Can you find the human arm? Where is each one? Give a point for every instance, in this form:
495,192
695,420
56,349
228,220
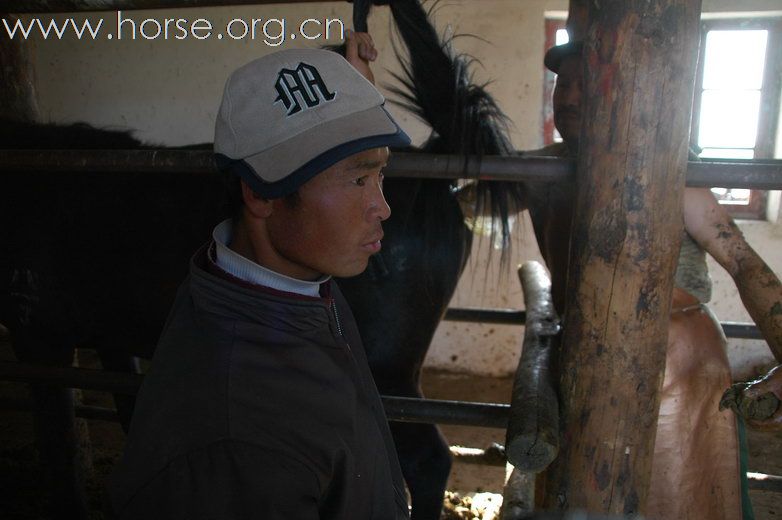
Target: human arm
709,224
359,51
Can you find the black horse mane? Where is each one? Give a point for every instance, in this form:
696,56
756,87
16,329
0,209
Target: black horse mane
438,86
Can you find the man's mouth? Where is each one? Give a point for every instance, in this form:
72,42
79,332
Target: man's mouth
570,114
374,245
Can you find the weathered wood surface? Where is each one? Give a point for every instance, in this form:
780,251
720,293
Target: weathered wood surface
518,496
577,19
16,79
639,62
532,438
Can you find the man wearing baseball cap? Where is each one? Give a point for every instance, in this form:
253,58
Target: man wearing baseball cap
259,402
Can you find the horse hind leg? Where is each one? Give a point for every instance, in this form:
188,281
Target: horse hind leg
426,463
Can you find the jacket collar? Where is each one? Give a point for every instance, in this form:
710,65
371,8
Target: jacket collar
219,292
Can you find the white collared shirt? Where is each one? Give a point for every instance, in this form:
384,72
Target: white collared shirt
245,269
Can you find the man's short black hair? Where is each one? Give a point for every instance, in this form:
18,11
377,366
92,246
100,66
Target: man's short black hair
234,202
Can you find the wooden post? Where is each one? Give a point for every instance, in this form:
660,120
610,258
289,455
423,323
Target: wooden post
577,19
16,78
639,62
532,438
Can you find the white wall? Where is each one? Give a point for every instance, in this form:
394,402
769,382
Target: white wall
169,91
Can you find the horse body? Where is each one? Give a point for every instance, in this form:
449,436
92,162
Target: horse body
85,251
398,303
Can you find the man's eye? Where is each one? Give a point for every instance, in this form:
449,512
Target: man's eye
361,181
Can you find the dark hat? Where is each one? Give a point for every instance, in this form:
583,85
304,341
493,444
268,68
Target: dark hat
555,55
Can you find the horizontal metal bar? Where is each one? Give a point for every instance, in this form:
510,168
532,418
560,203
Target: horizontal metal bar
498,316
515,317
489,167
97,413
402,409
760,174
193,162
493,456
735,329
70,377
756,175
68,6
464,413
763,482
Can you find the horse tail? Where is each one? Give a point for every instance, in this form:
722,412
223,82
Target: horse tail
360,14
438,86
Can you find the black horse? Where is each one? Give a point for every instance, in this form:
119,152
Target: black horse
94,260
401,298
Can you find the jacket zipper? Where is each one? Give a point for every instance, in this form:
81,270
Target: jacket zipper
339,325
398,495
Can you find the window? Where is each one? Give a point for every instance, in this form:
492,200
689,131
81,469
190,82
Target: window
737,97
736,104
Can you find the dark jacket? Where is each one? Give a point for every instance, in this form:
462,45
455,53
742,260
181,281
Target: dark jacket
259,404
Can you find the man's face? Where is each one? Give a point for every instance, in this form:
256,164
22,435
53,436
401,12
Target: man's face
334,225
567,99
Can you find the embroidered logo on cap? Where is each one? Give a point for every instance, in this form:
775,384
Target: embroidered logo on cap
304,81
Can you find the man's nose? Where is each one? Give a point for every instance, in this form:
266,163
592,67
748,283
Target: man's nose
573,97
378,207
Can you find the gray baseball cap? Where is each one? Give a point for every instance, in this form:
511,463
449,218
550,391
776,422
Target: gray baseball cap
290,115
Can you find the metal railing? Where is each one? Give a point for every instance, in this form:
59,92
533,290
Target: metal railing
755,174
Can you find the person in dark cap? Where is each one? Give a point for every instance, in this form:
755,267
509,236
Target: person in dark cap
565,61
259,402
696,471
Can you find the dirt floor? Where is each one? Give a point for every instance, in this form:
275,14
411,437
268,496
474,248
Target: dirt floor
21,485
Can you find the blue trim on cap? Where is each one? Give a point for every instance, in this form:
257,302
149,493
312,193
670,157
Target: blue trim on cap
290,183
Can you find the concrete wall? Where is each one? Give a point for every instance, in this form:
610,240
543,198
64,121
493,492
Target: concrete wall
169,91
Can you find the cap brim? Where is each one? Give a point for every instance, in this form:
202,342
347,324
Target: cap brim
280,171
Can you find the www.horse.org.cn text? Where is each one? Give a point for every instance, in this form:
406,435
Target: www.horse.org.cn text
269,31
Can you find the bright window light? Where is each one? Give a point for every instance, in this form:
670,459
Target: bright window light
734,196
732,83
729,118
562,36
730,104
734,60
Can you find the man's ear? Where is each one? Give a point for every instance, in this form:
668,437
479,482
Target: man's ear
256,205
